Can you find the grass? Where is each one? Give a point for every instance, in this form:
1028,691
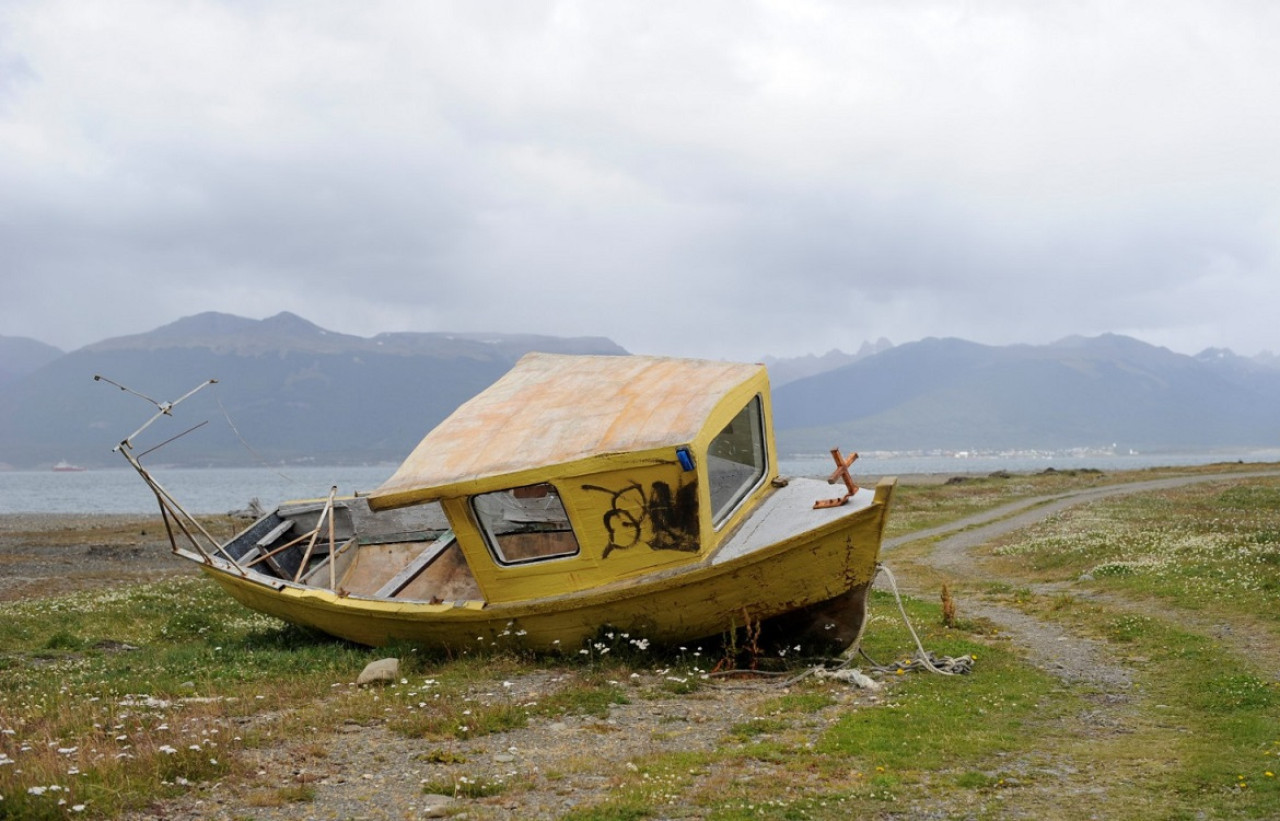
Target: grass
464,787
190,681
1218,543
1206,720
110,701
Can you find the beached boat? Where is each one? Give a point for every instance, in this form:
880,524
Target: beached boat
575,494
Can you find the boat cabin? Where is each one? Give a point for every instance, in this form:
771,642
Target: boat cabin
576,472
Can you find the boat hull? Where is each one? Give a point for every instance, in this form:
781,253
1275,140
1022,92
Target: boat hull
817,579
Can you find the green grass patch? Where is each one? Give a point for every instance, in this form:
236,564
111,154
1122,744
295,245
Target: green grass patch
1209,542
756,727
1226,717
804,702
959,720
464,787
591,696
457,721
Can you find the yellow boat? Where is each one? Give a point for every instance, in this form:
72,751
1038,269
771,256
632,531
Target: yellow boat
574,495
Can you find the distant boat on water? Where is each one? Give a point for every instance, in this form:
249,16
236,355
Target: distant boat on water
66,467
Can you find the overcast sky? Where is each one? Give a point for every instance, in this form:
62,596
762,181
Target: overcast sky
721,179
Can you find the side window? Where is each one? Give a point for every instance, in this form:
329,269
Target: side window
736,460
525,524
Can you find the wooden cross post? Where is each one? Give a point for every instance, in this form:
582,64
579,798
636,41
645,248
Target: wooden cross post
842,473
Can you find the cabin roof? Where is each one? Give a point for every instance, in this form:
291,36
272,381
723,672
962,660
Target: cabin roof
553,409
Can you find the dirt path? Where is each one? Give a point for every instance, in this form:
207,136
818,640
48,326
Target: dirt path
1114,714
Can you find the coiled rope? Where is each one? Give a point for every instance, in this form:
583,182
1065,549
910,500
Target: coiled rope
924,660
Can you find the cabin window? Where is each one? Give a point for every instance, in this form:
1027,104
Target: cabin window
525,524
736,460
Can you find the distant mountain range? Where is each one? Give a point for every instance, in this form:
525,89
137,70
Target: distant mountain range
20,356
291,391
1098,392
782,371
288,391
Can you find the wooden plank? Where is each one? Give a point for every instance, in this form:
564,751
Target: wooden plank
245,540
275,533
311,575
429,554
274,563
276,567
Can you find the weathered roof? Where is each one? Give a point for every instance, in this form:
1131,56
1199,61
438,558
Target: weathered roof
552,409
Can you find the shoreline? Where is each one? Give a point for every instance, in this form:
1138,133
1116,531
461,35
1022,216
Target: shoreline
54,554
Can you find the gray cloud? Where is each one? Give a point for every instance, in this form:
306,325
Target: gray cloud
714,179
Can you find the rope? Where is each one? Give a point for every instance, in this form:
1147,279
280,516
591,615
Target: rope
942,665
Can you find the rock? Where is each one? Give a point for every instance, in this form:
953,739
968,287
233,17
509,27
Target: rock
437,806
382,671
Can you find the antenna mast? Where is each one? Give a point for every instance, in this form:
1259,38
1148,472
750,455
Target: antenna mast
164,408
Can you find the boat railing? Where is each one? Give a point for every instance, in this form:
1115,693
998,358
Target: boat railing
174,515
176,518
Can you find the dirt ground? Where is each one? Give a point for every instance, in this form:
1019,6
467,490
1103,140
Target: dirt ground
50,554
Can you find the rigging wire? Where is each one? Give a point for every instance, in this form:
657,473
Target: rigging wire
262,459
172,438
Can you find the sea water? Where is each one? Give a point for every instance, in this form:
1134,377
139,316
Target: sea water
220,490
199,490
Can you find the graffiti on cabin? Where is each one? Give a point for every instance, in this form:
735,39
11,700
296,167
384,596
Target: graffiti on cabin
657,518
